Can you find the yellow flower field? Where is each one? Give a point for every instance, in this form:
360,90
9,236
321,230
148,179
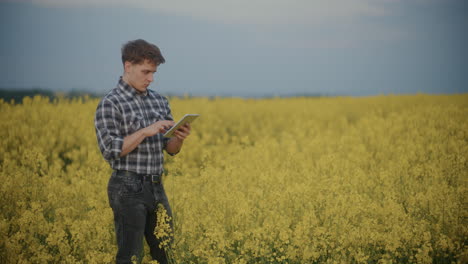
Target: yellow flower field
378,179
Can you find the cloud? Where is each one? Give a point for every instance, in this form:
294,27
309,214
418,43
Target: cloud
283,23
263,12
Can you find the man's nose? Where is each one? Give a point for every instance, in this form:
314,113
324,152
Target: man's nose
150,77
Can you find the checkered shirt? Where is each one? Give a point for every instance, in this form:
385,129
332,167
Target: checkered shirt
122,112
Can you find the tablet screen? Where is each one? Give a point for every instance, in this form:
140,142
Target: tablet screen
188,118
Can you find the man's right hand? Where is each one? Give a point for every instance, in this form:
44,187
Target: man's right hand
158,127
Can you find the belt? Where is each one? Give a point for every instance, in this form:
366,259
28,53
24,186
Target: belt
155,178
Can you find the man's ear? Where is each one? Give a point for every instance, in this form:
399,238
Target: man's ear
127,66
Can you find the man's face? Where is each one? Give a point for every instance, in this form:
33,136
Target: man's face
140,76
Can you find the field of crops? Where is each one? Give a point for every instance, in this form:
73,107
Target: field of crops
301,180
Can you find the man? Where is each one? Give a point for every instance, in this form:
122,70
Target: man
130,122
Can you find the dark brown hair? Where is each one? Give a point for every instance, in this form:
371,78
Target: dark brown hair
137,51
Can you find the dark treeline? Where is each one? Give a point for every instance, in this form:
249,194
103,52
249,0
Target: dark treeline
17,96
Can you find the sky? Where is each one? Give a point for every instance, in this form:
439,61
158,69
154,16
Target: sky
247,48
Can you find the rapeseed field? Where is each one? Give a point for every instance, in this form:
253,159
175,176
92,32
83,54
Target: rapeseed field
379,179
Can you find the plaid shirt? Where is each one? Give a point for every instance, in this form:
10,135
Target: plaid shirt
122,112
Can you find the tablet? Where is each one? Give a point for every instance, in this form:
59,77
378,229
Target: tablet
188,118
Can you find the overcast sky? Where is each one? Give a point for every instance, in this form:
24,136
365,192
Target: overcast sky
241,47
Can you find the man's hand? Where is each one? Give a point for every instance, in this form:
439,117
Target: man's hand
133,140
183,132
158,127
175,144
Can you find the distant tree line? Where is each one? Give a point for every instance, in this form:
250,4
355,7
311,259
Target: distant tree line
17,95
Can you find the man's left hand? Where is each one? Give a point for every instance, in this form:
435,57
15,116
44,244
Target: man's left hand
183,132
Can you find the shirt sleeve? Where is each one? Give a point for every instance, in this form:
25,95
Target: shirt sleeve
107,123
168,117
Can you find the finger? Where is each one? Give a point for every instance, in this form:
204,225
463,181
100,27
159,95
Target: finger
169,122
184,130
180,135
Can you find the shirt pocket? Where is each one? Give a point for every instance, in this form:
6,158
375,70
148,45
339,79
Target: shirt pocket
156,116
131,123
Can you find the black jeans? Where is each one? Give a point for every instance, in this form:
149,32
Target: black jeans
134,200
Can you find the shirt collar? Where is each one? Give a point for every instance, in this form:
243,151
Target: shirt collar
129,89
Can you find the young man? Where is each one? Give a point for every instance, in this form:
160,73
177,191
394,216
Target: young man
130,122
